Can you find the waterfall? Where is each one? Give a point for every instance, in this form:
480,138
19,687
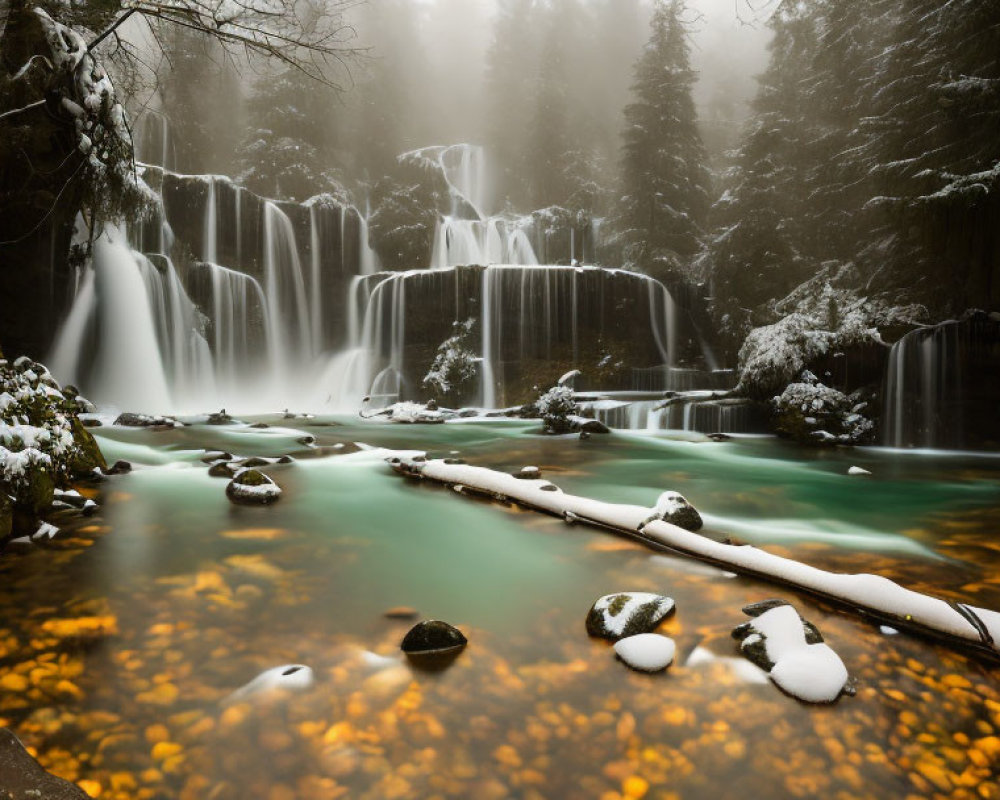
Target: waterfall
530,317
210,249
287,309
126,367
695,411
924,388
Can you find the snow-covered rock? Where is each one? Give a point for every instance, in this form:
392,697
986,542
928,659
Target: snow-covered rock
412,413
793,652
289,677
253,487
858,471
672,507
812,413
647,652
617,616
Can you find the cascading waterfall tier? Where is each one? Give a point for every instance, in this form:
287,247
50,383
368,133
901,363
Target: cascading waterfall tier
473,232
703,411
941,388
243,297
532,321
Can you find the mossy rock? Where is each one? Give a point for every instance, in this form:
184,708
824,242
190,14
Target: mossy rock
616,616
6,513
253,487
89,456
37,496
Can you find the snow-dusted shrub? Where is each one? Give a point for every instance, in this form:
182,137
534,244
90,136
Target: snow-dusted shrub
819,317
555,407
812,413
454,365
42,443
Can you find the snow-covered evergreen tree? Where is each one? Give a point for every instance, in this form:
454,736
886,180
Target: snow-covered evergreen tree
754,253
665,180
287,152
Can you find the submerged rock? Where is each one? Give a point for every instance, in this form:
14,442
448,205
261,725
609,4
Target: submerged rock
646,652
616,616
21,777
253,487
792,651
401,612
289,677
672,507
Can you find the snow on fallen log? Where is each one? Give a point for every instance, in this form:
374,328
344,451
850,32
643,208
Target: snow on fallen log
876,596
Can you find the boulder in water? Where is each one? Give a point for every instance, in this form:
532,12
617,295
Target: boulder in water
219,418
673,508
433,645
433,636
132,420
119,468
646,652
253,487
223,469
21,776
617,616
792,651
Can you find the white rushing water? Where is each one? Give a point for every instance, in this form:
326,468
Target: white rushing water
277,312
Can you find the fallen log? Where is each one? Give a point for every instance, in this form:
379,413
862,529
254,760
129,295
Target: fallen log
968,627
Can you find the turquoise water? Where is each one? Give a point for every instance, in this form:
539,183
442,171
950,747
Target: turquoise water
204,595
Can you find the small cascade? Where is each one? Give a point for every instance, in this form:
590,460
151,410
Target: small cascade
694,411
110,340
496,240
210,247
288,319
470,233
940,387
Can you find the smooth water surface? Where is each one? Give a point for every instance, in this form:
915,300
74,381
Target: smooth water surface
120,645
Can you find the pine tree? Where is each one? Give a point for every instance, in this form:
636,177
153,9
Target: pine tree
511,64
665,180
933,148
286,152
754,254
547,158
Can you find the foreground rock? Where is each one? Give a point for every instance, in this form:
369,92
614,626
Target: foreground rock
433,636
646,652
433,645
22,778
43,445
792,652
617,616
252,487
